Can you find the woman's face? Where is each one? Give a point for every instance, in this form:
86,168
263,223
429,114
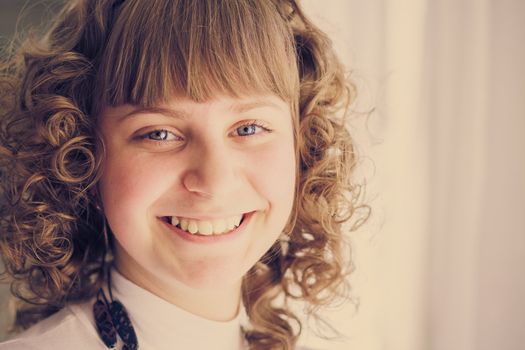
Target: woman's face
206,163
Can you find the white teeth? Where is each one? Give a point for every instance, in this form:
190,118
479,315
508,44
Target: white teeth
193,227
219,226
230,223
184,224
205,227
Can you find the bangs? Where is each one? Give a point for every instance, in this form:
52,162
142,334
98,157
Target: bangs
197,49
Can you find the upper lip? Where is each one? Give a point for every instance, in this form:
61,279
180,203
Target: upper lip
208,217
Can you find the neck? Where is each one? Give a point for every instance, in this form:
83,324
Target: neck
220,304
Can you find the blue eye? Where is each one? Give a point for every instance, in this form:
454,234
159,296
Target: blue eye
246,130
250,129
159,135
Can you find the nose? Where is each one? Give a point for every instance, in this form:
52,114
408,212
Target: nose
212,171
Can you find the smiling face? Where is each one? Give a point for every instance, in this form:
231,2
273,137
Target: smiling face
203,161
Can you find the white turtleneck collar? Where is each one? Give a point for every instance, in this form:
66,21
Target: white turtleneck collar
162,325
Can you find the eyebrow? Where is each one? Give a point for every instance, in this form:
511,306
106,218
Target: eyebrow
247,106
239,107
168,112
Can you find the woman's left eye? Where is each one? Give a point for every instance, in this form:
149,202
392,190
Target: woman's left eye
250,129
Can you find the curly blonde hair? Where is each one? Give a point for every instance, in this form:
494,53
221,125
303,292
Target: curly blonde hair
110,52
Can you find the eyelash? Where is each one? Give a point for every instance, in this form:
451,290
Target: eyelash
256,123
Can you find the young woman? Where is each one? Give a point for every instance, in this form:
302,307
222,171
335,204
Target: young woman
173,174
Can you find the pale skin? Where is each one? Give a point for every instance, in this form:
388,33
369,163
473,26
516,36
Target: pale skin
197,160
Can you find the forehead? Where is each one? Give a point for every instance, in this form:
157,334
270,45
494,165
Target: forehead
234,104
185,108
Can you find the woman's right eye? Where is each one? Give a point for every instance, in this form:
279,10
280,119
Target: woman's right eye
160,135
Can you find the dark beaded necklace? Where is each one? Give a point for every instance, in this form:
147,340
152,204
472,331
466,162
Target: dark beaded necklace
111,319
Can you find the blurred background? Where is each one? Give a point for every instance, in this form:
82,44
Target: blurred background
440,264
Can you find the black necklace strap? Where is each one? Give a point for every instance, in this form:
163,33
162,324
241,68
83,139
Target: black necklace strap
111,318
108,278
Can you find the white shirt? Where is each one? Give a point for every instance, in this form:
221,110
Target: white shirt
158,324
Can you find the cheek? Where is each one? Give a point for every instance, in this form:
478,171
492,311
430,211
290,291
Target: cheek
273,174
128,188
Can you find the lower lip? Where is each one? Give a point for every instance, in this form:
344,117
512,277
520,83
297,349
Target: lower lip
225,237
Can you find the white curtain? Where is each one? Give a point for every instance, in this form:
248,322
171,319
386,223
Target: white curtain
441,264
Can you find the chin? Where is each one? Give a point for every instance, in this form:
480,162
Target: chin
211,276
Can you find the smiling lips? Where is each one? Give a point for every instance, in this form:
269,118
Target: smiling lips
207,227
